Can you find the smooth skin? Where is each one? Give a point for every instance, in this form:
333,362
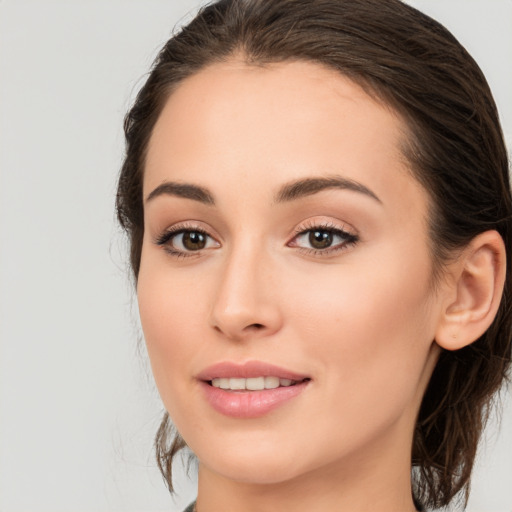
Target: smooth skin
359,315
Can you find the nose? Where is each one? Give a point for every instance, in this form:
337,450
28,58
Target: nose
245,304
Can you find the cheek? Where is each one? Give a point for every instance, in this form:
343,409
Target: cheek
369,328
170,310
388,296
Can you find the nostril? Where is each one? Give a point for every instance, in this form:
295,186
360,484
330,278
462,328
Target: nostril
255,326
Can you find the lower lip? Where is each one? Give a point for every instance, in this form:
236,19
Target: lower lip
250,404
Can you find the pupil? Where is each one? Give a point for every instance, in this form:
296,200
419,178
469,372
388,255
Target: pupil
320,239
193,240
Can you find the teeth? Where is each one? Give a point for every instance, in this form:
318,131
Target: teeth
271,382
255,384
237,384
223,383
251,384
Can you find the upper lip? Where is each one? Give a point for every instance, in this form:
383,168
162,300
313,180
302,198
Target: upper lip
227,369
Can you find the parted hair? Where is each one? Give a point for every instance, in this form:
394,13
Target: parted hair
454,148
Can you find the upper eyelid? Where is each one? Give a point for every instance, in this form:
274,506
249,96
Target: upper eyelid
336,230
181,227
328,225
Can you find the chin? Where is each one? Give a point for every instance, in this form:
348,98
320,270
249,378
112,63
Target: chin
259,472
250,457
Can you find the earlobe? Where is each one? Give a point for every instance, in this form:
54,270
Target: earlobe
475,294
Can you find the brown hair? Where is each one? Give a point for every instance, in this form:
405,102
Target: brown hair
455,149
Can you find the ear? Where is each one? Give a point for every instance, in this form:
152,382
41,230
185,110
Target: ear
474,293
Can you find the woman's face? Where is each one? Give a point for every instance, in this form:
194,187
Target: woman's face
285,238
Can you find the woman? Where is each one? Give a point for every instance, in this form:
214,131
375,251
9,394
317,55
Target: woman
318,204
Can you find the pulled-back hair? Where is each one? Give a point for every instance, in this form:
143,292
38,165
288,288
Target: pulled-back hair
455,149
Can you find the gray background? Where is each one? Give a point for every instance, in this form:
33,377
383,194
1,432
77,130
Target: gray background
78,408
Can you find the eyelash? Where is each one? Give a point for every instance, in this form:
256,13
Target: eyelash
165,238
350,239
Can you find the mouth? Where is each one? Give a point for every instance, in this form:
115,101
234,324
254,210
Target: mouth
250,390
253,383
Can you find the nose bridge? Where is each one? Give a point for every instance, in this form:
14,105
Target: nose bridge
244,302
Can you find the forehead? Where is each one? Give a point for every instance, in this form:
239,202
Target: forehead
250,126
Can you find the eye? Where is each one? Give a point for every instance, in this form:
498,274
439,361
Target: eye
181,241
323,239
320,239
190,241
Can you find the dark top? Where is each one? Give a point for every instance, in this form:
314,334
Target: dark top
190,508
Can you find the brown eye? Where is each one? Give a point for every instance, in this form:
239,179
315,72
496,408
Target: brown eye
184,241
193,240
320,239
323,240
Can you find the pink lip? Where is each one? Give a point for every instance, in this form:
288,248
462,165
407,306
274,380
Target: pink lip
247,370
249,404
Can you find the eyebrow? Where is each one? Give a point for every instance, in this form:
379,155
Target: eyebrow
288,192
185,190
310,186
